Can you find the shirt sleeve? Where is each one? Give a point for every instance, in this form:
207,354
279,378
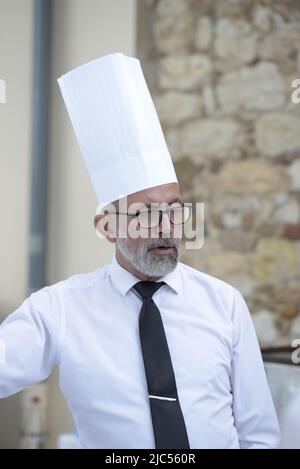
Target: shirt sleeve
30,339
254,412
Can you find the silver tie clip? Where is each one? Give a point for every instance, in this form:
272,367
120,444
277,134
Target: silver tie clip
163,398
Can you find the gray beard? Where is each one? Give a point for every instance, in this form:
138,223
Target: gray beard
147,263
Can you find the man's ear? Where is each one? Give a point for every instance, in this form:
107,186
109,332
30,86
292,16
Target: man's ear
103,227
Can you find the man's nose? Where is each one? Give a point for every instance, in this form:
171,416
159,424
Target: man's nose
165,225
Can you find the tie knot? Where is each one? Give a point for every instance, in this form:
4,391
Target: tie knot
147,288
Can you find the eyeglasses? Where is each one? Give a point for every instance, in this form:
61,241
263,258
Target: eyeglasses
151,218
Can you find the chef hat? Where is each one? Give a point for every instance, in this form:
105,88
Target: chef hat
117,127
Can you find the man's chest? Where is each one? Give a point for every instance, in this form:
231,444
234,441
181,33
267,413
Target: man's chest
101,360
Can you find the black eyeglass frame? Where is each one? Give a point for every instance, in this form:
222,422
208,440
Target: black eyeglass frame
138,212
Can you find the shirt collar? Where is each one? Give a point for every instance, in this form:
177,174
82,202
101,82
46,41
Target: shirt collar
124,280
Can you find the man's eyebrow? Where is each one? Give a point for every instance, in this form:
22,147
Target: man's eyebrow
170,202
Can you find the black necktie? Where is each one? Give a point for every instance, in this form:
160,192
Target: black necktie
167,419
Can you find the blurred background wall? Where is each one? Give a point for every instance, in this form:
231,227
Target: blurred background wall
220,73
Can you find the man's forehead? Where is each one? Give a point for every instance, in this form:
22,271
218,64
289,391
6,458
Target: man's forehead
169,201
153,201
166,193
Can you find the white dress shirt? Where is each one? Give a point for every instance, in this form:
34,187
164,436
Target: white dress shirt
88,326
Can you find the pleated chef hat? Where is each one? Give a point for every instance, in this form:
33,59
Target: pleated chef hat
117,127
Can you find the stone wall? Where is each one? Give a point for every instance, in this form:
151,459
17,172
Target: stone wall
220,73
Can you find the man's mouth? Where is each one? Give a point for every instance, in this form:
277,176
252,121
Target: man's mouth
163,249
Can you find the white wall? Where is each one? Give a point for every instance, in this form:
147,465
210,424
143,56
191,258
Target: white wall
15,139
82,30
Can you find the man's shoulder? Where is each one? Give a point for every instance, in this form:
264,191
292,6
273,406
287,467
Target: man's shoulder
217,289
204,278
73,282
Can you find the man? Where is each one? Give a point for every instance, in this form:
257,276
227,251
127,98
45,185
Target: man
152,353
